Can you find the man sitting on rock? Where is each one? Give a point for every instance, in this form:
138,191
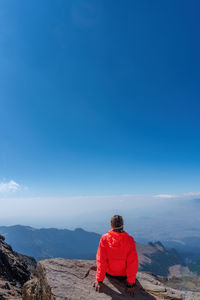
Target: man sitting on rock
117,256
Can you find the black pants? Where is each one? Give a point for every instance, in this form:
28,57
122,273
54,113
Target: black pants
120,278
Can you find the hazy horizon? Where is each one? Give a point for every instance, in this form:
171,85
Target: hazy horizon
147,217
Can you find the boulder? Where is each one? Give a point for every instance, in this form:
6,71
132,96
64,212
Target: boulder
14,271
59,279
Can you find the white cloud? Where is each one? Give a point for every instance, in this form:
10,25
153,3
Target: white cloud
185,196
10,186
166,196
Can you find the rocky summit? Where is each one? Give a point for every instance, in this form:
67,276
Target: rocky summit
59,279
15,270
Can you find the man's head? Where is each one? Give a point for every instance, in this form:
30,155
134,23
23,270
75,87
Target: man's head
117,222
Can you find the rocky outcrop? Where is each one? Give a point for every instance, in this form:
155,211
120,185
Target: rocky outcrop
29,261
14,272
154,258
59,279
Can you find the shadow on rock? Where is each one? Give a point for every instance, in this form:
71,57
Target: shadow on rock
120,291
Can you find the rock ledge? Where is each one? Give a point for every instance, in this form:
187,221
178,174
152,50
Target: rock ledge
59,279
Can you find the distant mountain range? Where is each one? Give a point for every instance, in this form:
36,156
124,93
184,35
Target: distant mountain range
80,244
186,244
48,243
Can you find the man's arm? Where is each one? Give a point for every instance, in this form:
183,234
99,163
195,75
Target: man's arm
101,259
132,263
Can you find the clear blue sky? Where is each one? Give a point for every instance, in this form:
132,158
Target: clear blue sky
100,97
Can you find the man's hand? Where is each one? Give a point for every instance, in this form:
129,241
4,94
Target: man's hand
130,291
130,288
97,285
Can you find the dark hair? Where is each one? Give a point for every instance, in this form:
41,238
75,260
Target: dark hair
117,221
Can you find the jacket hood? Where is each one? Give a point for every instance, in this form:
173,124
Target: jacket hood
116,239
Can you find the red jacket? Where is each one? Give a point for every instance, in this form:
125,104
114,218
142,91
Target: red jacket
117,255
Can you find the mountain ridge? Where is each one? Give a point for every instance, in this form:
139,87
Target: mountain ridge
48,243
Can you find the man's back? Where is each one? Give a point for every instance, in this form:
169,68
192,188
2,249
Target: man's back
117,256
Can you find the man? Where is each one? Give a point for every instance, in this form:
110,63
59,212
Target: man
117,256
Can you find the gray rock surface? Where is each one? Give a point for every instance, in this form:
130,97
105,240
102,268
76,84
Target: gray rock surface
14,271
59,279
